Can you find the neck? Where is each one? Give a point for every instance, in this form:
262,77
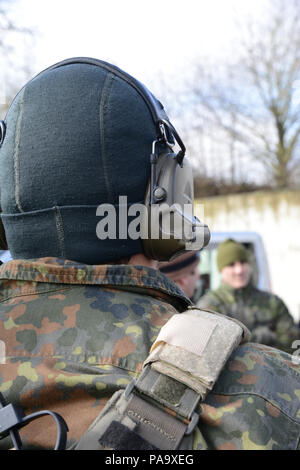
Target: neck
141,260
228,286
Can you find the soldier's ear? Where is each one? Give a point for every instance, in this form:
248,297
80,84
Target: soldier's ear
182,282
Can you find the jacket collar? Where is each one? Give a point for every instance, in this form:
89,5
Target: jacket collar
125,277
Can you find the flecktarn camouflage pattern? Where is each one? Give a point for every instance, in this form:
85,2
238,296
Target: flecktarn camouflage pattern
264,314
75,334
255,404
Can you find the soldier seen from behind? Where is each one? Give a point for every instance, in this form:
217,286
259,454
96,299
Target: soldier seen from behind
83,314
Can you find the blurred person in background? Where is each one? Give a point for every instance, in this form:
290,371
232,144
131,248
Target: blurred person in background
184,272
265,314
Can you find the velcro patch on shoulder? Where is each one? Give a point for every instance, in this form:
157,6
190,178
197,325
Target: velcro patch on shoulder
192,347
119,437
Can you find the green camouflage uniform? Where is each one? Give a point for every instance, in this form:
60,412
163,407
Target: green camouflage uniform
75,334
265,314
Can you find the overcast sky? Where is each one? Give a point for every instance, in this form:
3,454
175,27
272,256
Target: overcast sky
143,37
149,39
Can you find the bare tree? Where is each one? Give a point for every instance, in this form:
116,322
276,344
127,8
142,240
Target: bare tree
256,99
15,68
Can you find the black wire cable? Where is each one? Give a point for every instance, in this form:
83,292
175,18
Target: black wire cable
12,418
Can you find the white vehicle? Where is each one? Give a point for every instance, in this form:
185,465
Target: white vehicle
210,276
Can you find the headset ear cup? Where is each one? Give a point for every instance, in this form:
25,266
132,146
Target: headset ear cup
2,131
163,250
3,242
175,183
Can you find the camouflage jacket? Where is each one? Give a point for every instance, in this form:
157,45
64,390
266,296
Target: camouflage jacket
75,334
265,314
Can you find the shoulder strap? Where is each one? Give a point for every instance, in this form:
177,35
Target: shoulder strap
159,409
